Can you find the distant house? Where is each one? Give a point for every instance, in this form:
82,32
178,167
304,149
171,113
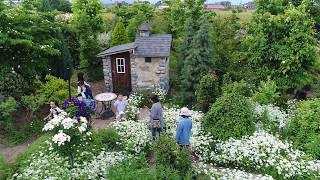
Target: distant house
161,5
140,65
212,7
249,5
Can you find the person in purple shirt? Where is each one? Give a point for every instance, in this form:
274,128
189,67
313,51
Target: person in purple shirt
184,127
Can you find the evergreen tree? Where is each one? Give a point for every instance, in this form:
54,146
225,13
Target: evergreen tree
88,22
199,61
119,34
59,64
186,45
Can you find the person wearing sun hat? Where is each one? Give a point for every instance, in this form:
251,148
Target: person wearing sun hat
184,127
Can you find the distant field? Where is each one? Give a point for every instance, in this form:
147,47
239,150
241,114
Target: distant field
244,16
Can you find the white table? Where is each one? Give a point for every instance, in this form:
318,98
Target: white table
105,99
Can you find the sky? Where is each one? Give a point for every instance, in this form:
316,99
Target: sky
235,2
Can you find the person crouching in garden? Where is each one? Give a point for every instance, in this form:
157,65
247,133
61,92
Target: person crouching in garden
184,127
156,117
54,109
120,106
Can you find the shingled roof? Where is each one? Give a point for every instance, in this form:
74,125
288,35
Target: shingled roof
156,45
117,49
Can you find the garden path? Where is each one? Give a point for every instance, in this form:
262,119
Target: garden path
10,153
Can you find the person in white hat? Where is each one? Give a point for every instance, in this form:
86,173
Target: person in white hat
184,127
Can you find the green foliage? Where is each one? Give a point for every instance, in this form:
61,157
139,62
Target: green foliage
266,93
11,83
129,12
54,89
60,5
132,28
159,23
14,135
303,129
119,34
200,59
280,43
169,154
59,64
241,88
226,42
207,91
186,45
23,50
5,169
131,169
230,116
108,137
8,107
88,22
32,103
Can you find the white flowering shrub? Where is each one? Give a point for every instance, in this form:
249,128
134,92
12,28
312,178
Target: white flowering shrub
226,173
133,109
274,114
263,151
67,133
135,135
161,93
53,166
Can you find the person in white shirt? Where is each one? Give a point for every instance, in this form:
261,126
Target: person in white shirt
120,106
80,80
54,109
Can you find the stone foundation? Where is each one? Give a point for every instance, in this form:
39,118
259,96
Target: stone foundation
107,73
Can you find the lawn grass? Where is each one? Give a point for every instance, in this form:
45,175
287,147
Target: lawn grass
244,16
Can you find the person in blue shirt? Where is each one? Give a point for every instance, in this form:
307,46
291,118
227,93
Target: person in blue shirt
184,127
120,106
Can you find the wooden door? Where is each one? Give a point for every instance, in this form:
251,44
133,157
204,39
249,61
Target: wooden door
121,73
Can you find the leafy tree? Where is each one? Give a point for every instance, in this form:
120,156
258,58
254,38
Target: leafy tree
138,8
207,91
119,34
159,23
88,23
134,23
59,64
199,61
226,42
280,43
26,40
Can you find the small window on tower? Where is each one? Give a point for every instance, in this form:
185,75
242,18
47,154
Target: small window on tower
147,59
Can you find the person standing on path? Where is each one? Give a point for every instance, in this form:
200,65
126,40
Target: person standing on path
156,117
184,127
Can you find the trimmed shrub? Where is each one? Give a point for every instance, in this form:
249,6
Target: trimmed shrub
241,88
230,116
207,91
8,107
305,127
169,154
266,93
108,137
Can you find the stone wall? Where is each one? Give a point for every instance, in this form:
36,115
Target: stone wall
107,73
149,75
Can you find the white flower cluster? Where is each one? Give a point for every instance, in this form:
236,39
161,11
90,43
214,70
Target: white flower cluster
161,93
61,138
263,150
226,173
199,140
98,166
133,107
63,124
134,134
274,113
52,166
